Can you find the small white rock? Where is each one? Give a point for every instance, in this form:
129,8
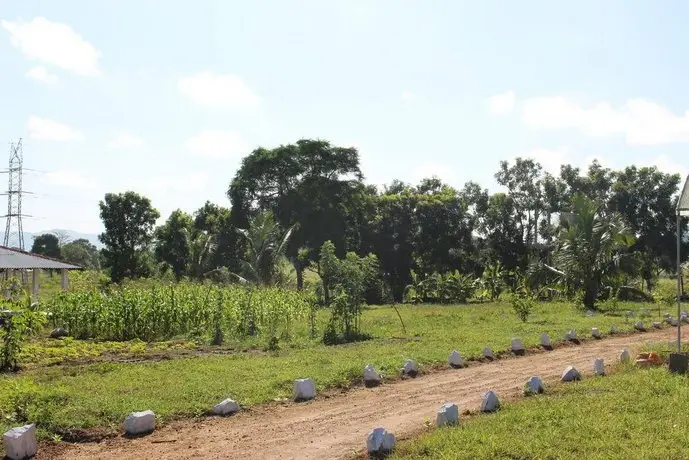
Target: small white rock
639,326
304,389
490,402
226,407
595,333
517,345
656,324
20,442
571,335
371,375
674,322
456,359
140,422
625,357
488,353
545,340
410,367
379,441
571,374
599,366
448,414
534,385
613,329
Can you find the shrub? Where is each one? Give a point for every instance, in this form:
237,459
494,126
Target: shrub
523,306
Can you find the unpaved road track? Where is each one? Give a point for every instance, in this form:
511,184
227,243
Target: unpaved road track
336,427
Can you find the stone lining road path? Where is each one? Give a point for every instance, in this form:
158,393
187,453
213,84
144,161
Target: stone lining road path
336,427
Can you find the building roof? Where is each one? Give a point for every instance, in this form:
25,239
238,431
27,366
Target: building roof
16,259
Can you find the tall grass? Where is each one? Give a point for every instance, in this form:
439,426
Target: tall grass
163,312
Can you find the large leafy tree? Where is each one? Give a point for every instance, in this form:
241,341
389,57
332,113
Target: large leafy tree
128,219
590,239
216,242
310,184
174,243
523,180
46,244
81,252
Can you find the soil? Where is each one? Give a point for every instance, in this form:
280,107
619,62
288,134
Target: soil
334,426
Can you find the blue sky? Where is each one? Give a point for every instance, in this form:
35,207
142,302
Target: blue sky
165,97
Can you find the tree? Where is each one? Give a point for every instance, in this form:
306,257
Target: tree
310,184
266,245
128,219
523,180
46,244
590,239
81,252
174,243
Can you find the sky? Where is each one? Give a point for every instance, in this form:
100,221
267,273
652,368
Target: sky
164,97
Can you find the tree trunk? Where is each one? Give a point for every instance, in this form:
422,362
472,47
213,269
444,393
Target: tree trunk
590,293
300,278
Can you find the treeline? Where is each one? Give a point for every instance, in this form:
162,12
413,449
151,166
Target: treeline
292,199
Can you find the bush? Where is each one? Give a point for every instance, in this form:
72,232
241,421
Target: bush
523,306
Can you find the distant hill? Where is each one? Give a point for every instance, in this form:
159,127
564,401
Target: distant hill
71,234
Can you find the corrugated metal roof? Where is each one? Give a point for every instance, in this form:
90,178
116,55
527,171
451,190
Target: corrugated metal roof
16,259
683,203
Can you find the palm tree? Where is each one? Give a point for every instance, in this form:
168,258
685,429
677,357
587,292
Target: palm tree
590,241
266,245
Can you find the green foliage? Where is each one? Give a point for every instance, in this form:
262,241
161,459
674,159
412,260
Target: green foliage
81,252
344,284
128,312
493,280
19,319
46,244
522,306
128,219
451,287
173,243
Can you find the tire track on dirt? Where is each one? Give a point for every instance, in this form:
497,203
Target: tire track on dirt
336,427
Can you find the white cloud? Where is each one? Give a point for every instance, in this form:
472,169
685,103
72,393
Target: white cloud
54,43
41,74
642,122
218,144
410,96
669,166
66,178
123,140
440,170
49,130
501,104
550,159
213,90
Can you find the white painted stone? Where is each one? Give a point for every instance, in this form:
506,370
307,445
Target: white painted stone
517,345
639,326
410,367
571,335
488,353
490,402
226,407
625,357
534,385
448,414
545,340
140,422
673,322
304,389
656,325
456,359
685,319
599,366
571,374
613,329
371,375
595,333
379,441
20,442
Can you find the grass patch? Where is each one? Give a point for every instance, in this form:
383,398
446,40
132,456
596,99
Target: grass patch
631,414
69,398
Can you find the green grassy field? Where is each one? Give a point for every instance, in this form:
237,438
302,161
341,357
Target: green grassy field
631,414
67,398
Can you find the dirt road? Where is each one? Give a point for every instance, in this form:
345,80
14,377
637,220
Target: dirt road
336,427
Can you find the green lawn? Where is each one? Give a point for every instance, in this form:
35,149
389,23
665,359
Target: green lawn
632,414
65,398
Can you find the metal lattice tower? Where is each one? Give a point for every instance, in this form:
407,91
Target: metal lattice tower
14,231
